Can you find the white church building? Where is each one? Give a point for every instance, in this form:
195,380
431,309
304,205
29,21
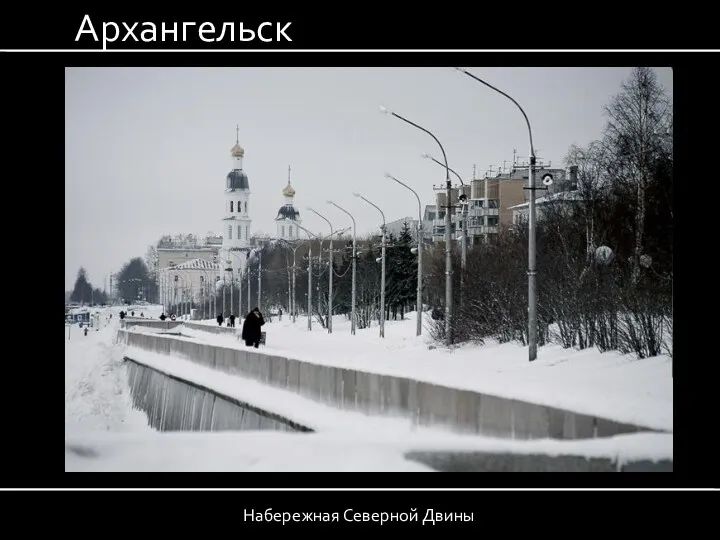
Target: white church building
193,274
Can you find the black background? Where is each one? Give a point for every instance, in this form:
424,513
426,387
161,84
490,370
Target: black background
496,25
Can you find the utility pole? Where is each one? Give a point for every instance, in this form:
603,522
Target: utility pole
260,281
309,294
293,308
354,266
462,198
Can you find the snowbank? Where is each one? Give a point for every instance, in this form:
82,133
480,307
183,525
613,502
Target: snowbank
608,385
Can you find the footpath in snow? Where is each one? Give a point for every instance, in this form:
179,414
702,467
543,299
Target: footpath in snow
97,396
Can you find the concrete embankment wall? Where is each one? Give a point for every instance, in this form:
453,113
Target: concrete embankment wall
174,405
512,462
423,403
214,329
162,325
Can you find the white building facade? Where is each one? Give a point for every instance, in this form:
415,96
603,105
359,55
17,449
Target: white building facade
396,227
193,280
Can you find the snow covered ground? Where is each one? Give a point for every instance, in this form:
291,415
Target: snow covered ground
609,385
104,433
97,396
320,452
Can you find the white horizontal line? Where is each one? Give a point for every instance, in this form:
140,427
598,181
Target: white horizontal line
359,50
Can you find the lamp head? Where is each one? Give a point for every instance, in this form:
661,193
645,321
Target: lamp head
426,155
388,176
356,194
329,202
310,209
384,110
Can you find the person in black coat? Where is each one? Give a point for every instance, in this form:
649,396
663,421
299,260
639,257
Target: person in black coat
232,321
251,328
220,319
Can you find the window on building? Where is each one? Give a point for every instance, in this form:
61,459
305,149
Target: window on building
282,231
239,207
239,232
492,203
492,221
176,278
202,279
246,207
229,232
247,232
231,206
290,232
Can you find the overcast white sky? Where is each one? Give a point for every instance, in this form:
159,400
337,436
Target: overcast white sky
147,149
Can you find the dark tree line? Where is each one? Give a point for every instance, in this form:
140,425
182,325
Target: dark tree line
604,251
135,282
84,293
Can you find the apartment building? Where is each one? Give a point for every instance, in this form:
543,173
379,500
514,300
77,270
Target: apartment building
492,202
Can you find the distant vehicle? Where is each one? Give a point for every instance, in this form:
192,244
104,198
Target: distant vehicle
82,317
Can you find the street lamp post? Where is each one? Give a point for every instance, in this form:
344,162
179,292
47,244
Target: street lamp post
532,269
419,254
224,288
320,238
260,281
187,291
382,276
240,292
464,237
354,266
292,279
249,288
309,295
463,202
330,280
448,225
228,269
